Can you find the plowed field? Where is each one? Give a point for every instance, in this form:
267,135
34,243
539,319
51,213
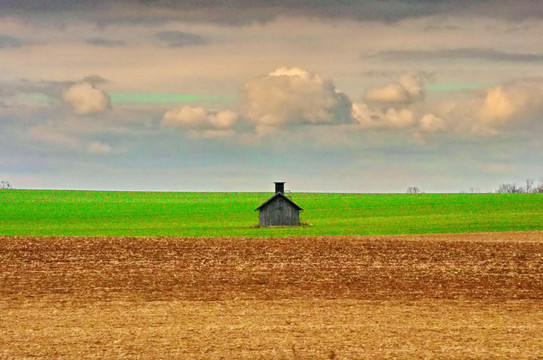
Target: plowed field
442,296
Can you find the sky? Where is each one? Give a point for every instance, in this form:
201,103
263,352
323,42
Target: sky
328,96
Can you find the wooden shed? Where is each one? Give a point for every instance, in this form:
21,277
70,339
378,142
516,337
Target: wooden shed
279,210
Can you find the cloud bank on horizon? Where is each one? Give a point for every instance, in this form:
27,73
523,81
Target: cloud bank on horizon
442,95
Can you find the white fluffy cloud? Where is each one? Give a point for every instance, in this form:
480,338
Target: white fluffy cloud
85,99
430,123
494,109
285,96
289,96
407,89
391,107
201,122
293,95
496,106
502,103
400,105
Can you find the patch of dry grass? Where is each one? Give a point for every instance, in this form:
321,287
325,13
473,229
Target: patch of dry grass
450,296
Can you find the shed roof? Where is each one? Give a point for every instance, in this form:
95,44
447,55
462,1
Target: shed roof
278,195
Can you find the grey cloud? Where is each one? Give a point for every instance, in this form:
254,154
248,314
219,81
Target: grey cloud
49,5
456,54
241,12
105,42
95,80
179,38
7,41
374,10
433,27
52,89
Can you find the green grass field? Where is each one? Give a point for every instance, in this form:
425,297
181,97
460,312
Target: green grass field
100,213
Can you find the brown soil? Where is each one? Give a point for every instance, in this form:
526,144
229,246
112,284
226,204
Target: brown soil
445,296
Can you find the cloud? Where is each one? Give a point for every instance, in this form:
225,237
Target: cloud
95,80
241,12
179,39
498,105
61,135
514,105
98,147
408,88
457,54
51,135
201,122
430,123
7,41
480,112
509,105
105,42
388,107
491,111
286,96
293,95
85,99
369,117
502,103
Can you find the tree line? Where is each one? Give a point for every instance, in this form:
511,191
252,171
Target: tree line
530,187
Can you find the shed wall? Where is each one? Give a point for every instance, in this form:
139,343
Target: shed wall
279,212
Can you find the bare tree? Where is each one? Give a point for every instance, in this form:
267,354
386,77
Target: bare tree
414,190
5,185
529,186
509,188
539,188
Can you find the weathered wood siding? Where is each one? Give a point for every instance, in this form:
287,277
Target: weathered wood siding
279,212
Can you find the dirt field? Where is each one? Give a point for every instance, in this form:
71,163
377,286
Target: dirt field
426,296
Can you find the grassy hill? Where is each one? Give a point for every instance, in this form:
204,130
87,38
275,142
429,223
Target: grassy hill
101,213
